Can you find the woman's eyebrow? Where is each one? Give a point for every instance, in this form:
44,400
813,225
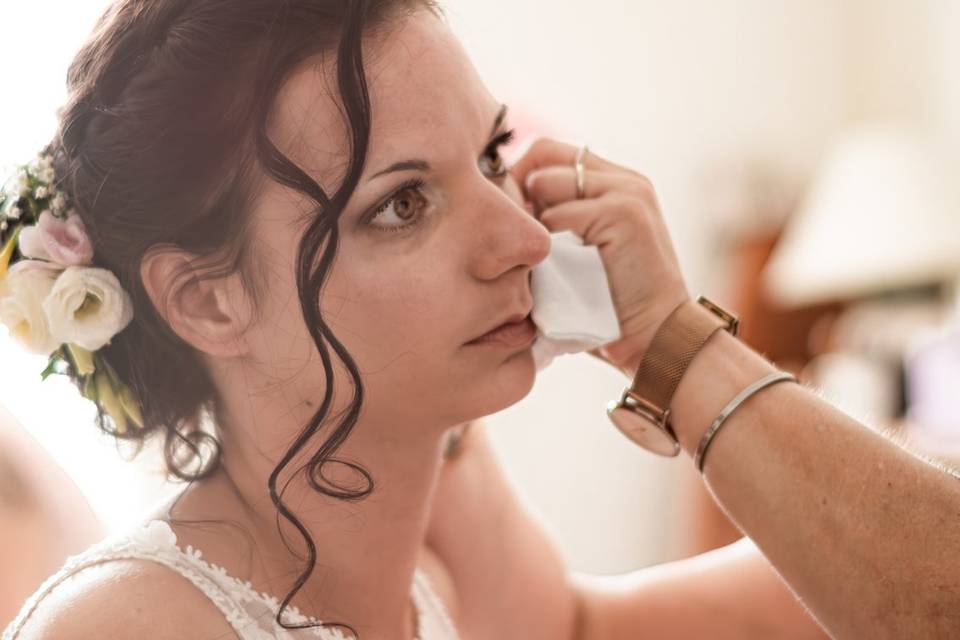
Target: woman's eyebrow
499,121
403,165
423,165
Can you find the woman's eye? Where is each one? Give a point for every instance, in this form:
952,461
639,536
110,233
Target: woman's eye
403,207
496,166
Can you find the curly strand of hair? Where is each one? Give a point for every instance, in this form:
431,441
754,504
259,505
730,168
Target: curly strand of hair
174,442
310,279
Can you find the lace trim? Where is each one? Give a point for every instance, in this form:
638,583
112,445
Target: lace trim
428,598
245,588
155,539
115,549
424,597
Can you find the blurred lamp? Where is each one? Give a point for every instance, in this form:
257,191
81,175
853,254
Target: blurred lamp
883,214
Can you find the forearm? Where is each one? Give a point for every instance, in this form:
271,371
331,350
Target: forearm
863,531
727,594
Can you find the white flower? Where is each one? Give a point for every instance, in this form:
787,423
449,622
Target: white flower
59,203
41,192
14,212
87,307
3,225
23,187
46,174
43,161
22,293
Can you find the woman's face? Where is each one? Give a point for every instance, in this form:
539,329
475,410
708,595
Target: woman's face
446,258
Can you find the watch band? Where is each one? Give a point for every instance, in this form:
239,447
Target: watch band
643,411
678,339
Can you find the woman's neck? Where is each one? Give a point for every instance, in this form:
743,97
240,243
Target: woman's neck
366,551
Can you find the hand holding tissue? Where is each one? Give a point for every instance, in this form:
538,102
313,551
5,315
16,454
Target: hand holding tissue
572,305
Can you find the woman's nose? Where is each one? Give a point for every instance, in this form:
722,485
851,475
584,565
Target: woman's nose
507,235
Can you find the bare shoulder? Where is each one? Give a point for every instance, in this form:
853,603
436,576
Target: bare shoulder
124,599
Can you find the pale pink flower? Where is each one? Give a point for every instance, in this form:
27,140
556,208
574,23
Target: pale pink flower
64,242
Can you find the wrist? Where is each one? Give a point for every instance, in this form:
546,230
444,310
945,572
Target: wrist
642,413
628,352
722,368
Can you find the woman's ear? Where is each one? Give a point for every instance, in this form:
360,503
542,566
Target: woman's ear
210,313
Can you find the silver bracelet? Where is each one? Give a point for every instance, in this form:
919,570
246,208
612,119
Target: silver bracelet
766,381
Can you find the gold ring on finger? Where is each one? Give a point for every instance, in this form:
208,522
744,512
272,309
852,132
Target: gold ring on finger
581,173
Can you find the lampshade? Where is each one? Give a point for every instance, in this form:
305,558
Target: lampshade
883,214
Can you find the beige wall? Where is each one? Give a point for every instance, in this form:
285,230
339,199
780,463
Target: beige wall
946,20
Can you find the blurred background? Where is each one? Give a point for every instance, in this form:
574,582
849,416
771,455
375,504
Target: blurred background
805,157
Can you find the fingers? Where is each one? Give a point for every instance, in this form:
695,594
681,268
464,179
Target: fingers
554,185
546,152
613,218
597,226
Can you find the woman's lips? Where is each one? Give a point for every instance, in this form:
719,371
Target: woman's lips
509,334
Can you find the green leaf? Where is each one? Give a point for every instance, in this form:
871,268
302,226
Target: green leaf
90,388
109,402
130,405
54,366
82,360
6,253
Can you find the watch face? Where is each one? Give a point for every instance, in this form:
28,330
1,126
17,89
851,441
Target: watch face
644,432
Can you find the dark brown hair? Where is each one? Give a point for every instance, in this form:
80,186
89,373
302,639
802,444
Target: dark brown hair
163,140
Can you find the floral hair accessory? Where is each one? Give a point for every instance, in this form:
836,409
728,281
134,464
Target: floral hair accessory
52,300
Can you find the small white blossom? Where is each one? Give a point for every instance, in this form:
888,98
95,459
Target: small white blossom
3,225
46,174
41,192
14,212
59,203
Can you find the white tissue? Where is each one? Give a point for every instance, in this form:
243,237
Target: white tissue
572,305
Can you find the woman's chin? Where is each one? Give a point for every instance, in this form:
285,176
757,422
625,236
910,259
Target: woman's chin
508,384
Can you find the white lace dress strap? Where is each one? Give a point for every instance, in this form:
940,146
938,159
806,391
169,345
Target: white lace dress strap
250,613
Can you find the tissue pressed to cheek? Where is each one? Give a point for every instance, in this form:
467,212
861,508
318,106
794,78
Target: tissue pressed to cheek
572,305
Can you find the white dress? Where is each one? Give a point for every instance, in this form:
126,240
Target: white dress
250,613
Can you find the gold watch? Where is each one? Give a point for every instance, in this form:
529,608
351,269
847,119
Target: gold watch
643,411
